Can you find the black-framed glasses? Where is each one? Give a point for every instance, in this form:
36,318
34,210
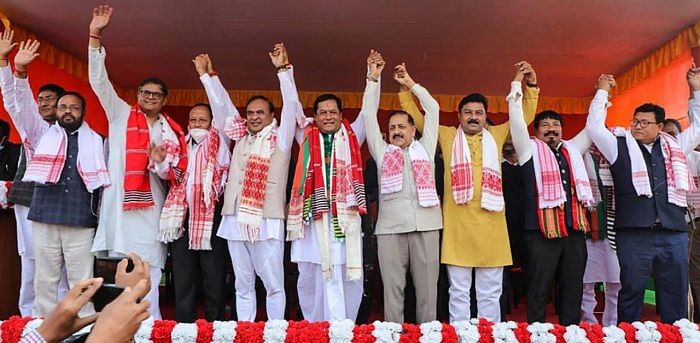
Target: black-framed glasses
148,94
48,99
642,123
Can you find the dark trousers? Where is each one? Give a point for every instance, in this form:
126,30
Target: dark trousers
642,251
562,260
191,266
694,267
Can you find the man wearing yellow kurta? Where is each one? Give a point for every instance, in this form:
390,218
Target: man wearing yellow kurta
475,236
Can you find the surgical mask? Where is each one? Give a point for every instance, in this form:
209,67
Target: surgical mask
198,134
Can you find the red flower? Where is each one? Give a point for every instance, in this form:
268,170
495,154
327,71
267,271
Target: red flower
485,328
630,332
669,333
449,334
12,328
363,334
521,333
249,332
162,331
558,331
205,331
594,332
411,333
305,331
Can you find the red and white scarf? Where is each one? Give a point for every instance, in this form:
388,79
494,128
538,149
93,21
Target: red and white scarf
462,172
345,203
211,160
392,173
137,184
252,200
694,163
550,191
678,177
49,158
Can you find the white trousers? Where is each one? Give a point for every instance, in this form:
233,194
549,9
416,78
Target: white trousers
589,302
25,249
333,299
264,259
56,247
153,295
489,285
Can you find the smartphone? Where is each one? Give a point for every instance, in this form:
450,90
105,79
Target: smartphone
106,267
105,295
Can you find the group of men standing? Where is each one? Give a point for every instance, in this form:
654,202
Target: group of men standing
152,184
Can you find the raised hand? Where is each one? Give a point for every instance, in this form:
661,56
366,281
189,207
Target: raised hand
63,320
201,64
279,56
120,319
401,76
525,72
100,19
606,82
210,65
376,64
6,44
26,54
693,77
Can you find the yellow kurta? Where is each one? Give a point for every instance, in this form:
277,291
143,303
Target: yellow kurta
472,236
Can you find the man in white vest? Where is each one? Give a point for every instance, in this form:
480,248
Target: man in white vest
254,199
407,185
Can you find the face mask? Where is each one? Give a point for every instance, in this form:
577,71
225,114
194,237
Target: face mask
198,134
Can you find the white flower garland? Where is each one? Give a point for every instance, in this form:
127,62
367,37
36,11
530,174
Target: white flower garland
613,334
467,331
539,333
184,333
275,331
143,335
503,332
386,332
689,330
340,331
575,334
431,332
224,332
646,332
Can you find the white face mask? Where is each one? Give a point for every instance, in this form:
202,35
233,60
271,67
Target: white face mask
198,134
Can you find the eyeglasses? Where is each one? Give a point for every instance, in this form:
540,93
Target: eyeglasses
72,108
642,123
46,99
148,94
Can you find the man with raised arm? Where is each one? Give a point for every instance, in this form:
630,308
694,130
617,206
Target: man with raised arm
558,192
21,192
475,236
189,215
409,217
146,148
254,199
328,197
651,175
67,163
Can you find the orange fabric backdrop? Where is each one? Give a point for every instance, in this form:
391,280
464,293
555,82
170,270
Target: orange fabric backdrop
667,87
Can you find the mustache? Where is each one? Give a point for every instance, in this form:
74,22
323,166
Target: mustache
549,133
398,135
472,121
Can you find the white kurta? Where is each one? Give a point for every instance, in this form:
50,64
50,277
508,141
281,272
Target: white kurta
122,231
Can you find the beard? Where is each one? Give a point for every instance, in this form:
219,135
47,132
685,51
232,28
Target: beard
72,125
